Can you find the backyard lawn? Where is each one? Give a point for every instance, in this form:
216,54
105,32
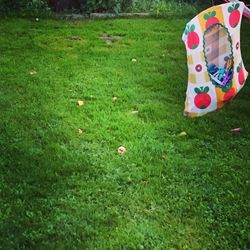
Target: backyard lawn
63,185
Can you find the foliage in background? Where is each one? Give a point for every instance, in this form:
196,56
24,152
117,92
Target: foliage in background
103,6
157,7
165,8
34,7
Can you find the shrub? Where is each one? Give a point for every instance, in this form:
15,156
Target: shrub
115,6
157,7
33,7
162,8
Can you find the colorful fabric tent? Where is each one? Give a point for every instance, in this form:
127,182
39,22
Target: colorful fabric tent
216,72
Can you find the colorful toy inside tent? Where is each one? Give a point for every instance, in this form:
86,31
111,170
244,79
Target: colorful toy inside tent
216,72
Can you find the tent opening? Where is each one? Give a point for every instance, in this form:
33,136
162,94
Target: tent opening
219,54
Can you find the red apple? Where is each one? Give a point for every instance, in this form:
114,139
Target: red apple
202,100
193,39
234,17
241,76
211,19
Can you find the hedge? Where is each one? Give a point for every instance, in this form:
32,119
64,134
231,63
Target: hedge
88,6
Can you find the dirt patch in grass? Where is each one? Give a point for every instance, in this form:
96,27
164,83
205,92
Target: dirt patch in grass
111,39
74,38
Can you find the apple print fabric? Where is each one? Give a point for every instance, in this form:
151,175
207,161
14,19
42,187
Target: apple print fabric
216,72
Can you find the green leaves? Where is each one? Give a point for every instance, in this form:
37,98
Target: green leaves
189,29
209,15
206,90
206,16
237,5
239,67
192,28
197,91
230,9
213,13
233,7
186,30
201,90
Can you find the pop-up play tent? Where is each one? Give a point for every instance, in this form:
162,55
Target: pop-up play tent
216,72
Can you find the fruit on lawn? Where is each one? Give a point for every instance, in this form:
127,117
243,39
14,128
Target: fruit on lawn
33,72
183,133
236,129
202,100
193,39
80,103
122,150
234,17
211,19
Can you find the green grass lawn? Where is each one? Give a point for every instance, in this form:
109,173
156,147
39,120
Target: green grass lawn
61,189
